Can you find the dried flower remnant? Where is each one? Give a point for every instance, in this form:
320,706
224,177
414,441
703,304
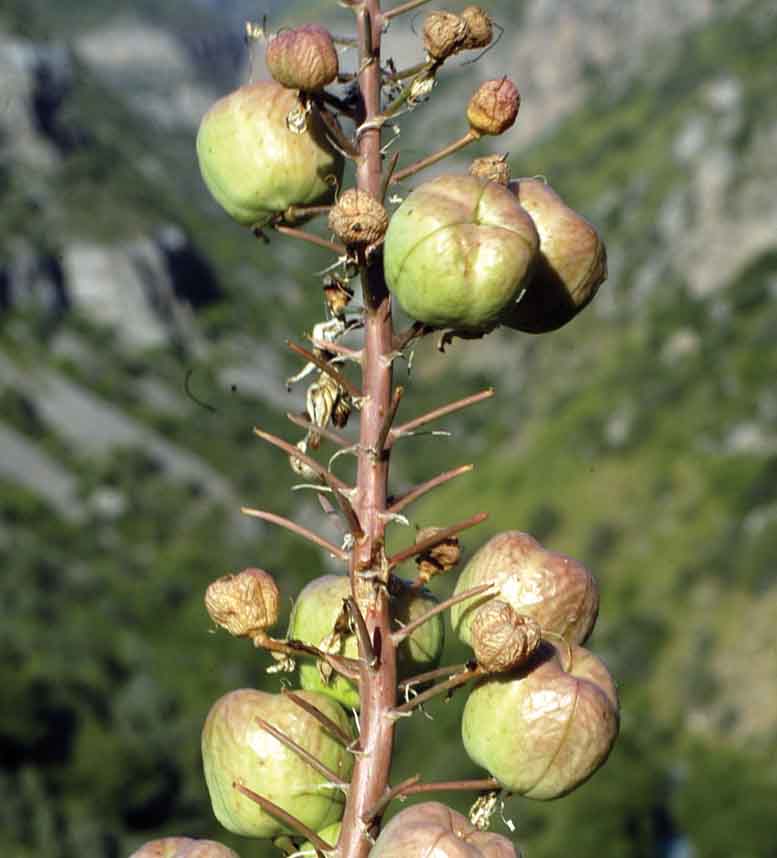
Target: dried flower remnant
492,167
437,560
501,639
358,218
245,604
480,28
444,34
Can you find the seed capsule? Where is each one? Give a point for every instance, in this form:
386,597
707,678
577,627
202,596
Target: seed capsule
480,30
444,34
545,729
494,106
501,639
183,847
304,58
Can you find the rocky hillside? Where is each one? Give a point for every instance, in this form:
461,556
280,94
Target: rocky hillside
141,337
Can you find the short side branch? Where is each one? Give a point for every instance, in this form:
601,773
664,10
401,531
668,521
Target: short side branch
398,504
296,453
435,540
332,727
407,630
436,413
334,550
326,366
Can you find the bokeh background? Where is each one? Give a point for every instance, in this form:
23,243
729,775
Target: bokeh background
142,336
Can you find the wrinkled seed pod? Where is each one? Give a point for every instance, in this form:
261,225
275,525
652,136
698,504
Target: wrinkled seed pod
494,106
480,30
183,847
244,604
492,167
544,729
550,587
358,218
444,34
501,639
304,58
432,830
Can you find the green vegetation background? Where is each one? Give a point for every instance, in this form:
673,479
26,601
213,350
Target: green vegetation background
108,661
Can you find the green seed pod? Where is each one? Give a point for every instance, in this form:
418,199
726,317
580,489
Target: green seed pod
571,266
458,251
183,847
554,590
314,620
545,729
256,162
432,830
236,749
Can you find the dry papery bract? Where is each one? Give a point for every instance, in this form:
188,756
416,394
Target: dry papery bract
501,639
245,604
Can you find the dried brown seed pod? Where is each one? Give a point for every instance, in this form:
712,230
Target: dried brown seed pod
444,34
544,729
183,847
492,167
245,604
501,638
551,588
358,218
432,829
304,58
441,558
480,30
494,106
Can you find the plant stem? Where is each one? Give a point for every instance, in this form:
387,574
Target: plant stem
435,540
369,574
398,504
287,818
442,411
405,632
340,553
327,368
332,727
403,8
412,169
296,453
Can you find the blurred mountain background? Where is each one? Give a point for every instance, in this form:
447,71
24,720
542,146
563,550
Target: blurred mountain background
142,336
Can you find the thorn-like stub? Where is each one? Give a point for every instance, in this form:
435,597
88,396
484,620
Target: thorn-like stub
494,106
303,58
444,34
479,28
358,218
492,167
245,604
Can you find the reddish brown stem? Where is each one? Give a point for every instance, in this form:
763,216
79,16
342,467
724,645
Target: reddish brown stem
348,667
369,574
295,451
323,431
344,505
332,727
449,670
407,630
429,160
434,540
395,792
289,820
421,489
408,6
366,651
302,753
340,553
388,420
450,786
441,688
293,232
326,367
436,413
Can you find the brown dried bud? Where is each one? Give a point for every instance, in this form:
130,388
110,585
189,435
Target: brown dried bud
492,167
480,29
342,411
244,604
501,638
439,559
444,34
431,828
358,218
494,106
304,58
183,847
